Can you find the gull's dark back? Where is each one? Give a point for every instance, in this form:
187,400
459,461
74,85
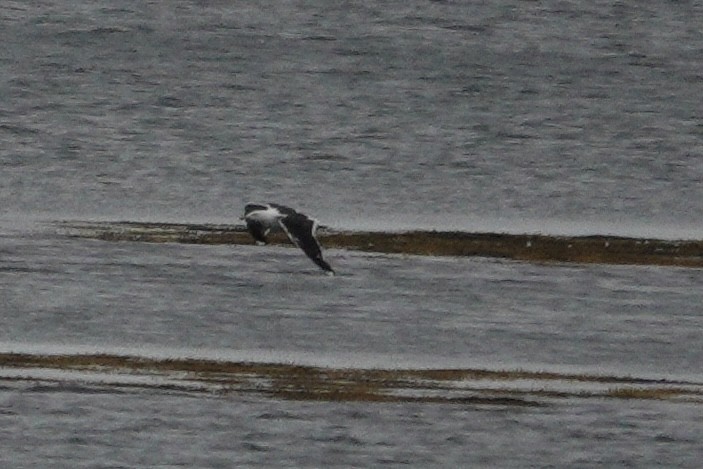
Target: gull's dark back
285,210
248,208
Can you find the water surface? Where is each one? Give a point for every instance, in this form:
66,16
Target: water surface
498,116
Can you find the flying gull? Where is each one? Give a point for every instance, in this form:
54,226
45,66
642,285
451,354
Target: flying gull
261,219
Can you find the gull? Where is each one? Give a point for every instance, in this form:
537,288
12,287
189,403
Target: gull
261,219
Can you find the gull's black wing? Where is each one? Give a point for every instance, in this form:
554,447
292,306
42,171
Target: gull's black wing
301,231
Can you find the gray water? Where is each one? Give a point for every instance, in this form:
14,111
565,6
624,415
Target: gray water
510,116
352,110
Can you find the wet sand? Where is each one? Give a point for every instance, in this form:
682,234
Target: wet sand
304,382
522,247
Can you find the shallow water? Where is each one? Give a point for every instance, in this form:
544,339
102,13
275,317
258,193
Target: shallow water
502,116
504,110
270,304
627,319
148,429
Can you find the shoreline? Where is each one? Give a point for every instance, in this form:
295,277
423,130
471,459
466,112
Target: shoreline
466,386
538,248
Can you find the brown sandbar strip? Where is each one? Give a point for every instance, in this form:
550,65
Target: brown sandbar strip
522,247
302,382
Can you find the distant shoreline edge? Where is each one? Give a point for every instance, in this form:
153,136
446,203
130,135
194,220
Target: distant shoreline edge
592,249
